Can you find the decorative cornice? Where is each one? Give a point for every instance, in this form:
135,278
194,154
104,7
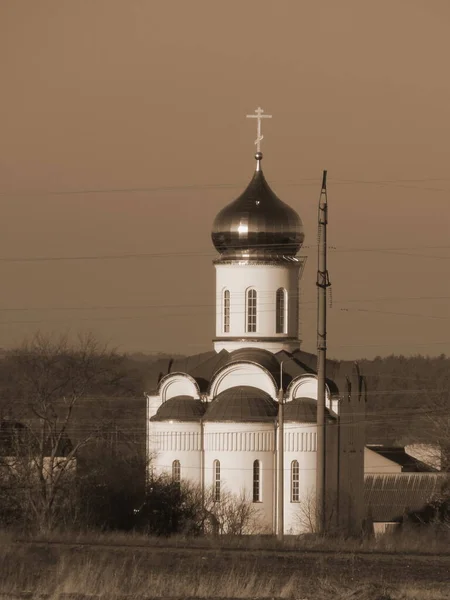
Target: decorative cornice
285,261
281,338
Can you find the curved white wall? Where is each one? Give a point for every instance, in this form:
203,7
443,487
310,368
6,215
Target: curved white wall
266,279
171,441
237,446
243,374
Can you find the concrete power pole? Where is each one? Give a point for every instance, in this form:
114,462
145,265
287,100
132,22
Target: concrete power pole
322,284
280,466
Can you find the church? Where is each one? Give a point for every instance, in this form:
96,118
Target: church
213,418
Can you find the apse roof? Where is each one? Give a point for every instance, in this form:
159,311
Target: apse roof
180,408
303,410
242,403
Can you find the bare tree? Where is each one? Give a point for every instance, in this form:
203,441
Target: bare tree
306,517
433,445
233,514
47,382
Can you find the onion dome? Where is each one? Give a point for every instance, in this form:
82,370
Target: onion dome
180,408
258,225
243,404
304,410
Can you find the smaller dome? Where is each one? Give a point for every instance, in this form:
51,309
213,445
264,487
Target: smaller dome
304,410
242,403
180,408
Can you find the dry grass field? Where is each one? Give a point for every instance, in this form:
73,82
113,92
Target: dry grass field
135,567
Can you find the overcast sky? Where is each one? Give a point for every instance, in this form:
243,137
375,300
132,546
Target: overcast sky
109,97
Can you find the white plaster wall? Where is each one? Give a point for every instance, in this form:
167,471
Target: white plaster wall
265,279
169,441
375,463
237,446
306,387
243,374
177,384
300,443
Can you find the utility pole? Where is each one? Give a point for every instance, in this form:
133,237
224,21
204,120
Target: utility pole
322,283
280,495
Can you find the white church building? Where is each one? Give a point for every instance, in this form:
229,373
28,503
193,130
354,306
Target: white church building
212,418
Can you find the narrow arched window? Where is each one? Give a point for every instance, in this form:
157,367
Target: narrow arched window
216,481
256,481
295,481
251,310
176,471
281,310
226,311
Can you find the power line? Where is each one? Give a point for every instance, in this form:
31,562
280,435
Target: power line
311,181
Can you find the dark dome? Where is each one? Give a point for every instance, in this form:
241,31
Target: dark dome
303,410
257,225
262,357
180,408
242,403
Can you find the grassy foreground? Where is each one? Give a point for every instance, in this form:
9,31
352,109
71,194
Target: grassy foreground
138,570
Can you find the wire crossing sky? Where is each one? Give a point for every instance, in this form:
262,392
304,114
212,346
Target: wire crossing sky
124,132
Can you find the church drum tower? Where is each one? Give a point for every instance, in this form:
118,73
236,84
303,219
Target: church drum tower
257,275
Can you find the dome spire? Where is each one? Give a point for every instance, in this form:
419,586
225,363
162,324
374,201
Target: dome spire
259,137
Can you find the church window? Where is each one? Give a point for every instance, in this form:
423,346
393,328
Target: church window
226,311
216,481
256,481
176,471
281,310
251,310
295,481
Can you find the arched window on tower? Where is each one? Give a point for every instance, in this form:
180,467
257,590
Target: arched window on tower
176,471
216,481
281,311
251,310
256,481
295,481
226,311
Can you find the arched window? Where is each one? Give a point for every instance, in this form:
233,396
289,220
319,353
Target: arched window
176,471
226,311
216,481
281,311
251,310
256,481
295,481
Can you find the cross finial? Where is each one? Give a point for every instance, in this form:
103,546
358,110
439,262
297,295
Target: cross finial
259,116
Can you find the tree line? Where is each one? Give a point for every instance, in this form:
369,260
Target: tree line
72,439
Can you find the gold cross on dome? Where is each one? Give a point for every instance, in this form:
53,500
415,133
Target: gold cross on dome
259,116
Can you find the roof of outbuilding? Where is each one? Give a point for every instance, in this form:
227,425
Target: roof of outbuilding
303,410
388,498
408,463
242,403
180,408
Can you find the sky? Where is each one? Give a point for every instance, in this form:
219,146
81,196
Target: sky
123,133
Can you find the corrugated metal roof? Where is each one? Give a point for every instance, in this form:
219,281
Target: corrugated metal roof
390,497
